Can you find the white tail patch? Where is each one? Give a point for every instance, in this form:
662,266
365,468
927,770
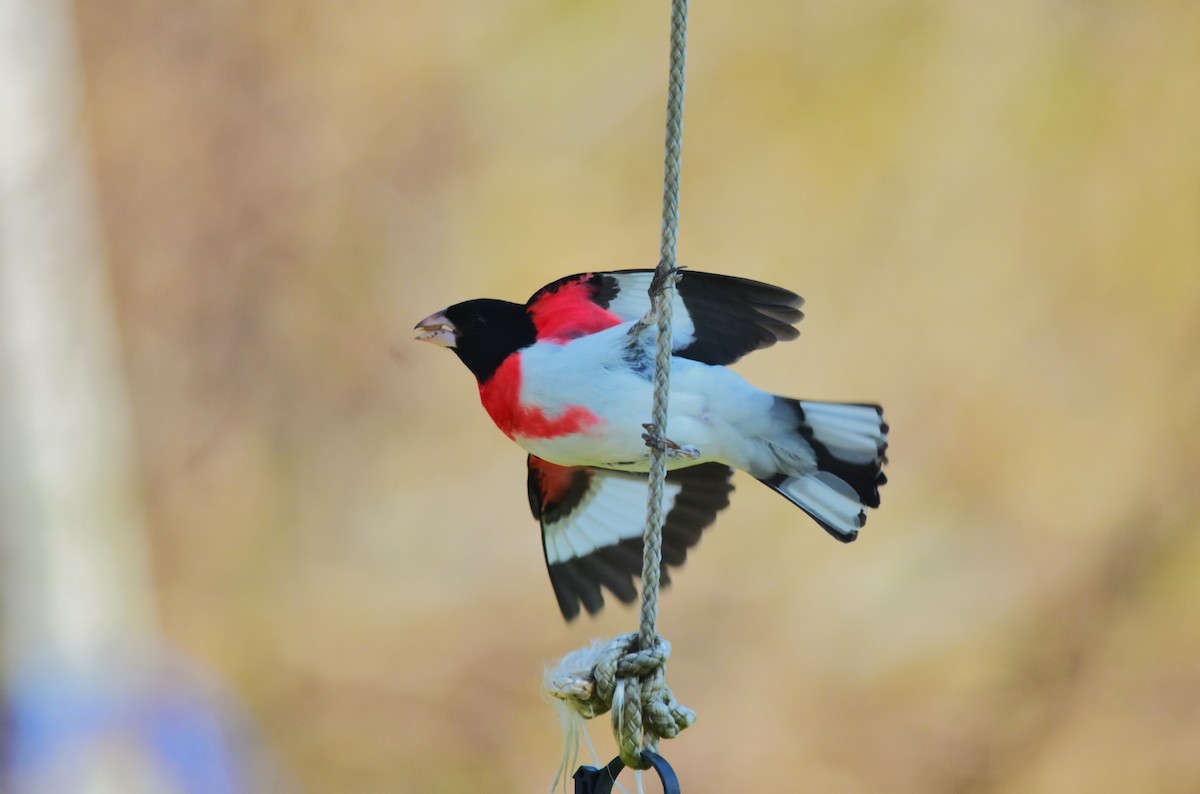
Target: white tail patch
853,433
840,475
828,499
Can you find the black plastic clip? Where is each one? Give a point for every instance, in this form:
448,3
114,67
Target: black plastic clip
599,780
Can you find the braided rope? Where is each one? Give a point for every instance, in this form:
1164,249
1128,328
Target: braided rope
628,675
662,295
648,709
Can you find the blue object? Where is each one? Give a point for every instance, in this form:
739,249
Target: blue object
165,714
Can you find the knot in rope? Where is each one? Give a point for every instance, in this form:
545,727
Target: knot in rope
628,680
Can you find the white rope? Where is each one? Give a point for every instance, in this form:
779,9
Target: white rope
628,675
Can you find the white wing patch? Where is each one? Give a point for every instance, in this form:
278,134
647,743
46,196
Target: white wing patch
613,510
633,301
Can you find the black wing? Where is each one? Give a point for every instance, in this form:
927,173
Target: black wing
717,319
592,522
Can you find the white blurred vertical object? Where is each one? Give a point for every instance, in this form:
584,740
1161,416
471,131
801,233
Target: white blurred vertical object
76,583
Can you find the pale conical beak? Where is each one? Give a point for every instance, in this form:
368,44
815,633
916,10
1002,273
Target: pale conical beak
438,330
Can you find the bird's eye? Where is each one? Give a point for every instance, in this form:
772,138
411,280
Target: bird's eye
476,324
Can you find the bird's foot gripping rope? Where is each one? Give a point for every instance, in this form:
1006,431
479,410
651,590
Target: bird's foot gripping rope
646,321
629,681
672,449
658,283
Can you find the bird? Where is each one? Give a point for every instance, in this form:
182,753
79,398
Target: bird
568,376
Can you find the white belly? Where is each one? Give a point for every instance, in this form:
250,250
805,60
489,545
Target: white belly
710,408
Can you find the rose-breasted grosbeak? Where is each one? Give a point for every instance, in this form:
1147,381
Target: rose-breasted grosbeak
568,376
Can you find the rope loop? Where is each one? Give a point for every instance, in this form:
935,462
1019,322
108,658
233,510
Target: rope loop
630,681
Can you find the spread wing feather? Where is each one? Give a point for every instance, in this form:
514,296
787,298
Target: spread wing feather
717,318
592,522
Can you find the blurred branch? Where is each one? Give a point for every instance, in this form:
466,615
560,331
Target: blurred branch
77,590
77,578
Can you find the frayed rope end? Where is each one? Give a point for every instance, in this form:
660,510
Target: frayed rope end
569,688
620,676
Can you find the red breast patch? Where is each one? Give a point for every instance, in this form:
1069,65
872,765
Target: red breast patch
501,396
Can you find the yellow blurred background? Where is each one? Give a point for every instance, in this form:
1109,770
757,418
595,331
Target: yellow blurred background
993,211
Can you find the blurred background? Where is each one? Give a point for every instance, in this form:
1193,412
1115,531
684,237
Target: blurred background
993,211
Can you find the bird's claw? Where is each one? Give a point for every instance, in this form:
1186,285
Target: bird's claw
657,283
647,320
673,450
